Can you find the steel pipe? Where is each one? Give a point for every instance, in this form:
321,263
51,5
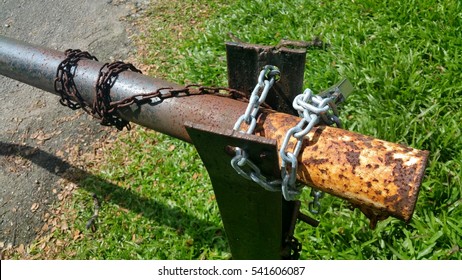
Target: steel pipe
382,178
37,67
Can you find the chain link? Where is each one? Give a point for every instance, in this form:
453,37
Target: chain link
315,205
241,160
268,76
313,109
64,81
103,107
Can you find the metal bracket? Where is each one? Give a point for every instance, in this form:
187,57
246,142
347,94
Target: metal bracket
252,216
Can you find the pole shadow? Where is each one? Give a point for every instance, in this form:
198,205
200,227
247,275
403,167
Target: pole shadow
171,216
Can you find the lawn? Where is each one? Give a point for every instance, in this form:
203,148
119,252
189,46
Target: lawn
404,59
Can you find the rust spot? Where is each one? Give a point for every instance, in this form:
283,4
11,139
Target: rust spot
323,171
317,133
353,159
405,149
391,199
369,184
403,179
352,145
315,161
378,192
389,159
366,140
342,177
315,148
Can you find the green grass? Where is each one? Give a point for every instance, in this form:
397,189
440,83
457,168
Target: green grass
404,58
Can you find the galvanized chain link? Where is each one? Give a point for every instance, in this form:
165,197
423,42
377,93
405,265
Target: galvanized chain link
312,109
315,205
241,160
268,76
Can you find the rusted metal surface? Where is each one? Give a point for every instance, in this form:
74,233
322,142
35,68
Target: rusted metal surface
381,177
37,66
246,60
252,217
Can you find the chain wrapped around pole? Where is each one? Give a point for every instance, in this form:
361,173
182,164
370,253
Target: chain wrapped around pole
103,107
268,76
64,81
313,109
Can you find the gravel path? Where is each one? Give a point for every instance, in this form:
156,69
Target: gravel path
37,133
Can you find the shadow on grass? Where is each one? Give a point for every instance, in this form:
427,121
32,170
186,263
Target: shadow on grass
171,216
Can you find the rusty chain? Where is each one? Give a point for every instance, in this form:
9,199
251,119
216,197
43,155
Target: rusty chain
103,107
64,81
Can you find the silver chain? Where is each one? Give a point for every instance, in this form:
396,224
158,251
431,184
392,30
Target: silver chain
315,205
312,109
241,159
268,76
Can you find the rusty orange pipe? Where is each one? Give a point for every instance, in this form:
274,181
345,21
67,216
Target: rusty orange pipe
380,177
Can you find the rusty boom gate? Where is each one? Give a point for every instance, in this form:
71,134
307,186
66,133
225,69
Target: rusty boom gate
254,170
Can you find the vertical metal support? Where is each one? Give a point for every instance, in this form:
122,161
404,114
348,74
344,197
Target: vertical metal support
245,62
252,216
257,222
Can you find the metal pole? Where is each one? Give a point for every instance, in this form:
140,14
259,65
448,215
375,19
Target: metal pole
381,177
37,67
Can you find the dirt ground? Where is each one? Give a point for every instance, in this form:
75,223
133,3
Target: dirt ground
37,134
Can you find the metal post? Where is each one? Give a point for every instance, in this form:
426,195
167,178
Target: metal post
245,62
